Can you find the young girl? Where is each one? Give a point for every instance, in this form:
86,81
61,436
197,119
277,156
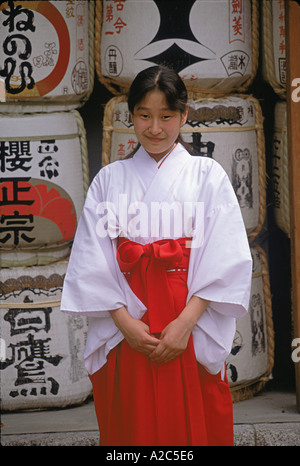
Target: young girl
161,265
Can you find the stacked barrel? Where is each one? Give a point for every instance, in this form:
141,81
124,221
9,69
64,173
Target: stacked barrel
274,70
47,63
214,47
274,67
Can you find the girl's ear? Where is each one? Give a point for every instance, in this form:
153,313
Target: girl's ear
184,115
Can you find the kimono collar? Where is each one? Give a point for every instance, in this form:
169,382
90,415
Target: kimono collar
158,182
142,159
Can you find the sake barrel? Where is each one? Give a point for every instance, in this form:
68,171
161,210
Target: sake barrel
213,45
43,181
230,130
280,169
250,362
42,348
274,45
46,54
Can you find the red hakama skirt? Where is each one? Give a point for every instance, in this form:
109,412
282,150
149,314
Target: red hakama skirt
140,403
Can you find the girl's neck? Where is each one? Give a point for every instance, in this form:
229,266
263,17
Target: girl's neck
158,157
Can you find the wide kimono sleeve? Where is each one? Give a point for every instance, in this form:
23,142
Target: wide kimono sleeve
220,271
91,285
94,284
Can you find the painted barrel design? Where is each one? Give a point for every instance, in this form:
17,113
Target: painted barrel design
251,360
213,45
42,348
230,130
280,169
274,45
43,181
46,54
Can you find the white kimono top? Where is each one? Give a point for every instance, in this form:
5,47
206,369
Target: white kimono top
145,201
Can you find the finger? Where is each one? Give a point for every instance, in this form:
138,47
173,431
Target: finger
166,356
159,349
159,354
148,348
154,340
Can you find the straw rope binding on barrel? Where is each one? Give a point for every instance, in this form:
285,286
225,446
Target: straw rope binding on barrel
280,170
84,150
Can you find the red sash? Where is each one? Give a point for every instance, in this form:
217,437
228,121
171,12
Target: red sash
148,265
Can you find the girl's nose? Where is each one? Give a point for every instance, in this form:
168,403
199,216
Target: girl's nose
155,127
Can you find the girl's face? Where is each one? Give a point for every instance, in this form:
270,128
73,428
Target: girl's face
156,126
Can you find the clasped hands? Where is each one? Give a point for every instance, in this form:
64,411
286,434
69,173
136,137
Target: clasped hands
162,348
171,342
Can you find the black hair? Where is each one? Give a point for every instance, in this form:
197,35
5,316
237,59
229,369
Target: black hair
165,80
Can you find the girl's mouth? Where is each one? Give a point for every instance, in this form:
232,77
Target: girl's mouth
152,139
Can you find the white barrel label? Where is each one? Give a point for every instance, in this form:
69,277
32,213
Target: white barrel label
44,48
